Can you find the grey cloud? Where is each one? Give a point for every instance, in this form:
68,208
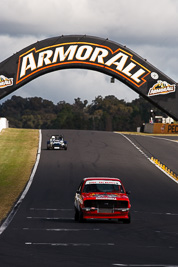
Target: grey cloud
147,27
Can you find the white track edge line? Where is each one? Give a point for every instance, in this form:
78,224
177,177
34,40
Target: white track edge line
17,204
148,157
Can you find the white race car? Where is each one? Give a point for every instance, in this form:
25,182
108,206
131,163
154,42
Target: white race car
57,142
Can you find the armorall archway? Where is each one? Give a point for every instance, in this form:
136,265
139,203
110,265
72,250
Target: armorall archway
87,52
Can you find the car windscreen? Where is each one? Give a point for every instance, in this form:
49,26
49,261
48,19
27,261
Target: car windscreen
103,186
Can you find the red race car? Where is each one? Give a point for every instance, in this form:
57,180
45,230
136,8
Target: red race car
102,198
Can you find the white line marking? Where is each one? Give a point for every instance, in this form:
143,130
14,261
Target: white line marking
145,265
60,229
49,218
50,209
134,145
158,231
70,244
163,171
157,213
16,206
161,138
148,157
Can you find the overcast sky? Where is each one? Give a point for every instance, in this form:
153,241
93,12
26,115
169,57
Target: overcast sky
148,27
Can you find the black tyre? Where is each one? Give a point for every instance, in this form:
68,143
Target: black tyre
76,216
81,216
127,221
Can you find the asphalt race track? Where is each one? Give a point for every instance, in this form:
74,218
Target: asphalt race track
43,231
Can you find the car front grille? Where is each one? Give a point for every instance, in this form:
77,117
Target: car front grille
106,204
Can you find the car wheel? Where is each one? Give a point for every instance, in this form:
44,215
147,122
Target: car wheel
81,216
127,221
76,216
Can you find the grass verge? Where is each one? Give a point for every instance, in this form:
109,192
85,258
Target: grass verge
18,150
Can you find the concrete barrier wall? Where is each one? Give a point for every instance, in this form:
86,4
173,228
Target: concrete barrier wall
165,128
161,128
148,128
3,123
